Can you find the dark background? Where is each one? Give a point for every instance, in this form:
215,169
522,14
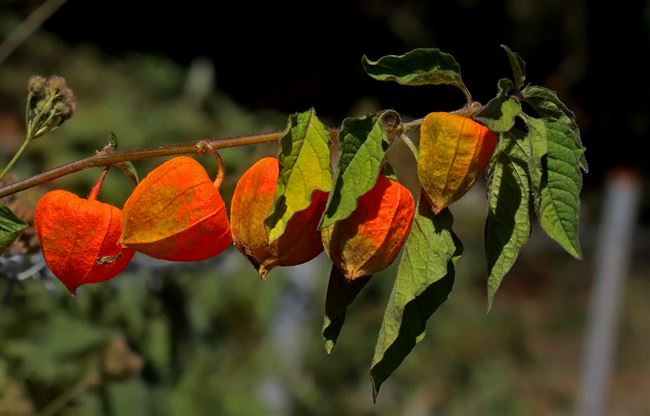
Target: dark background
209,337
291,58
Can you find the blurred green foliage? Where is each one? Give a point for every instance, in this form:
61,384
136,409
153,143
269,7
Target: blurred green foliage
210,338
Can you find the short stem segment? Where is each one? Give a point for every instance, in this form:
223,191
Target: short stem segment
221,171
98,185
13,160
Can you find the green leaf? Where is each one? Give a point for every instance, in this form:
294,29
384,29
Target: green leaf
504,86
362,146
10,227
518,67
128,168
424,280
499,113
424,66
507,226
548,105
560,187
535,145
340,294
304,168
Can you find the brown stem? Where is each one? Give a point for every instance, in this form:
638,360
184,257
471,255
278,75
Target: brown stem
221,171
106,159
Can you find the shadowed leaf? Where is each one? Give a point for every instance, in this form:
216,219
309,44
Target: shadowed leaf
424,280
340,294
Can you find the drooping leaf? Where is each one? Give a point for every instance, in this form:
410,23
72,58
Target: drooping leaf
362,145
128,168
507,226
499,113
340,294
535,145
10,227
304,168
424,280
548,105
518,67
560,187
423,66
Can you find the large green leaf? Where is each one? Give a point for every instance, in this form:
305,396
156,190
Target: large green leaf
424,280
304,168
518,67
499,113
340,294
560,187
548,105
10,227
535,146
362,145
424,66
507,226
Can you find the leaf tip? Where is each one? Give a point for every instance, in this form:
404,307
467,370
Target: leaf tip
375,388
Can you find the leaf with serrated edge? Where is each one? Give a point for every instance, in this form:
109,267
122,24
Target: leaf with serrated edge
507,226
424,280
423,66
560,187
10,227
362,146
305,167
518,67
499,113
547,103
535,145
340,294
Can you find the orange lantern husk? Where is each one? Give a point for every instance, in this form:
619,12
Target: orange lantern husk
369,240
80,238
176,213
251,203
454,151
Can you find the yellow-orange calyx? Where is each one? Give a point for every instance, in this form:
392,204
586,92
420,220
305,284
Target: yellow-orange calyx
454,151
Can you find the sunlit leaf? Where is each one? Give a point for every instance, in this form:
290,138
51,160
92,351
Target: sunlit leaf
560,187
507,226
304,168
362,146
424,66
499,113
548,105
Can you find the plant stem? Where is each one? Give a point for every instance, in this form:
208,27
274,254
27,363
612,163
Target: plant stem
103,159
16,156
28,26
410,125
98,185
